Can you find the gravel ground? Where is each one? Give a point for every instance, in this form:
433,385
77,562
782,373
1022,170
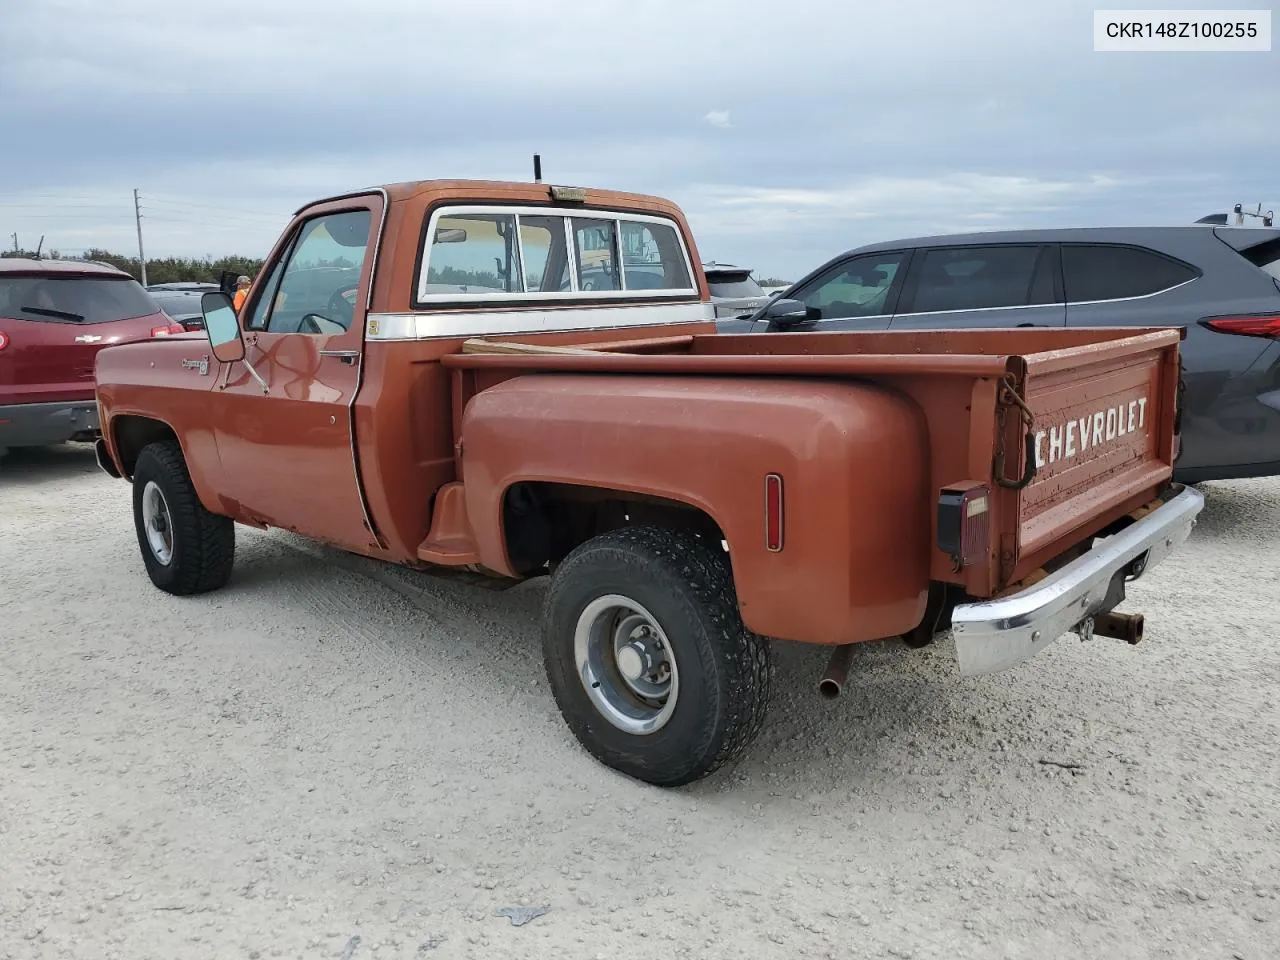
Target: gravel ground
332,758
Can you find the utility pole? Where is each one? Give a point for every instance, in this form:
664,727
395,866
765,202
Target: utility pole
137,217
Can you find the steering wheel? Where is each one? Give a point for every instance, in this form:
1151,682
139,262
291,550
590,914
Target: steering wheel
316,323
341,308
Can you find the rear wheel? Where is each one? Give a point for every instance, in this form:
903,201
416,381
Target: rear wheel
648,658
185,548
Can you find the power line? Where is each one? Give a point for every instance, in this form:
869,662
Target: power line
54,216
94,215
96,219
50,196
212,224
210,214
238,211
62,206
86,203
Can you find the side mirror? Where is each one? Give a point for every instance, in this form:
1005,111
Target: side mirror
785,312
222,327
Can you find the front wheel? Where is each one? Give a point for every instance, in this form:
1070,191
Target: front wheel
185,548
648,658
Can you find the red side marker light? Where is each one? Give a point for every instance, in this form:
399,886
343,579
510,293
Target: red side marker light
773,524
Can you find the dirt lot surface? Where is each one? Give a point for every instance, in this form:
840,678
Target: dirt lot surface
331,758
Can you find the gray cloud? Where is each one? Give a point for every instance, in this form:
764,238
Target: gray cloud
787,133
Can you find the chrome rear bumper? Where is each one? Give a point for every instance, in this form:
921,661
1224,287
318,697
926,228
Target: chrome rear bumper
994,635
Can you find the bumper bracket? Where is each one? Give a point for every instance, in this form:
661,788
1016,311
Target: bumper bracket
993,635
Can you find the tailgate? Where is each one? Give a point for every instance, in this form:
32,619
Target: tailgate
1102,436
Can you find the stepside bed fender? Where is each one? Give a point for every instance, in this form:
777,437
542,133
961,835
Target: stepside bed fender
852,459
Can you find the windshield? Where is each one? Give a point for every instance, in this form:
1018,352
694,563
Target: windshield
73,299
735,285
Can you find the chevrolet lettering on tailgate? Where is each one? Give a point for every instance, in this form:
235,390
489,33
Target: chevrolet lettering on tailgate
1092,430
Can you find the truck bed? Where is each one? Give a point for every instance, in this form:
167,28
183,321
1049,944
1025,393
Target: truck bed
1067,427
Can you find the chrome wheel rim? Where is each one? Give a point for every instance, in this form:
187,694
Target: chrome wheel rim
156,523
626,664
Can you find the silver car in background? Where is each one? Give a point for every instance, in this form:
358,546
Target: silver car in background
734,292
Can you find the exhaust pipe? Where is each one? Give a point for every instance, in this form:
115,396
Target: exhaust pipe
833,680
1119,626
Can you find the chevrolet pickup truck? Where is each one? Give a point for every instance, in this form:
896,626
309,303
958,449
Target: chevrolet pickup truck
433,374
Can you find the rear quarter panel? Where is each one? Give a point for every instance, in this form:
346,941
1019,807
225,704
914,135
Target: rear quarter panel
853,457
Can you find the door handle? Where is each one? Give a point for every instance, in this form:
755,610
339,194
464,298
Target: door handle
346,356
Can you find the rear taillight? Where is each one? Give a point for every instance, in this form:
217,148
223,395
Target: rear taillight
168,330
1262,326
964,523
4,340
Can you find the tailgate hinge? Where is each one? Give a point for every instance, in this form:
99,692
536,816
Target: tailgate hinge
1006,398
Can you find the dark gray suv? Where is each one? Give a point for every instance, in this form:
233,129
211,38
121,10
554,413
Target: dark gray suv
1221,283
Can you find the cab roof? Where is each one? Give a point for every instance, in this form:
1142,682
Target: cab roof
501,191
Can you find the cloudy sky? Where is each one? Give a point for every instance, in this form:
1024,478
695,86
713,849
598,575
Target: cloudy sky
787,131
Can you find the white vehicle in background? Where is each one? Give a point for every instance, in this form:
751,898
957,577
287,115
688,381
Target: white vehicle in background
734,292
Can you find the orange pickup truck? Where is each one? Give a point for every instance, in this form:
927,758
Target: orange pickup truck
435,375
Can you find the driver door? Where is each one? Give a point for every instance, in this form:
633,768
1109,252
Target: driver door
287,454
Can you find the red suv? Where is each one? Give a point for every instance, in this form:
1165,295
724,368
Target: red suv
55,315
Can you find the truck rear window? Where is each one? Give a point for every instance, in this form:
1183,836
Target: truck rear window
534,254
83,300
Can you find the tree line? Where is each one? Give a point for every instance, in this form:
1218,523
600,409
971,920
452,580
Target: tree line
164,269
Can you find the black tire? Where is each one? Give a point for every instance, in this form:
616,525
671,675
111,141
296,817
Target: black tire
686,584
936,613
203,544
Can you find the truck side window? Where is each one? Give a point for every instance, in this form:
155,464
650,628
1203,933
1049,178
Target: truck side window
261,309
651,257
318,288
474,253
596,242
856,288
546,262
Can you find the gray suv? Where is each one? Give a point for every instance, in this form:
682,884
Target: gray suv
1220,283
